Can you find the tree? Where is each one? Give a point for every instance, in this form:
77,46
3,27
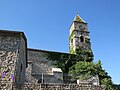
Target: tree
117,87
84,70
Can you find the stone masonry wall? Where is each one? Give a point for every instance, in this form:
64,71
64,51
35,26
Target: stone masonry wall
40,65
8,56
29,86
12,56
21,63
39,62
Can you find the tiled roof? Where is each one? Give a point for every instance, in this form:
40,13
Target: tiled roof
79,19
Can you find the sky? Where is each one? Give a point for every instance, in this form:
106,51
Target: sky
46,25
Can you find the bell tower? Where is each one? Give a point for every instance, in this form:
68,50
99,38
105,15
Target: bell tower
79,38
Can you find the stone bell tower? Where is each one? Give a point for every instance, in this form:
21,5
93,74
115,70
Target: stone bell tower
79,38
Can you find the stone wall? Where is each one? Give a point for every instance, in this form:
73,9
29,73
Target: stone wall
39,64
10,86
7,63
12,50
8,56
21,63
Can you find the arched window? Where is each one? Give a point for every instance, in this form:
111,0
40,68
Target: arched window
82,39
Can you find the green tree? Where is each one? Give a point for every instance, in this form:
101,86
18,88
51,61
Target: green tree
84,70
117,86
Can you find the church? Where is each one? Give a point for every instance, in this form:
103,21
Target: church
20,64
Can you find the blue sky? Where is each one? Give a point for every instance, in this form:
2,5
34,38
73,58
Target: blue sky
46,25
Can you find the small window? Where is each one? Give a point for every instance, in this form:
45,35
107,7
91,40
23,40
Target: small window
82,39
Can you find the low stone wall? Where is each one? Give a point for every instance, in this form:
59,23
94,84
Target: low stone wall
5,86
28,86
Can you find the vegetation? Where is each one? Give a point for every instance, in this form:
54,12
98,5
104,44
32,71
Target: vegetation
71,35
86,55
72,51
117,87
84,70
80,65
